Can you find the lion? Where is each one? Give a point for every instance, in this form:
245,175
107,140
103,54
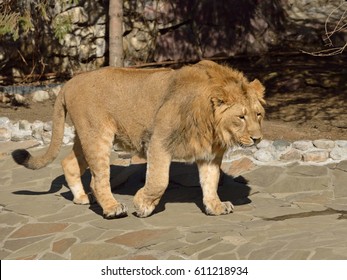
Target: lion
194,113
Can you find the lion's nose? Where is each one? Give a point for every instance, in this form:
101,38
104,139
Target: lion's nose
256,140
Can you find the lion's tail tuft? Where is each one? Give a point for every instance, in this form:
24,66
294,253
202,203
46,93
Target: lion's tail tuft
23,157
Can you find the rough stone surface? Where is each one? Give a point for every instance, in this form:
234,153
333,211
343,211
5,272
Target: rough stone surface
341,143
264,156
324,144
291,155
239,166
303,145
5,134
316,156
281,145
40,96
292,211
338,153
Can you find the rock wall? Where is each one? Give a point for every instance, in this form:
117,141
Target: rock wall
71,35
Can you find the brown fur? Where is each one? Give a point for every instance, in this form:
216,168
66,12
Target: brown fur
194,113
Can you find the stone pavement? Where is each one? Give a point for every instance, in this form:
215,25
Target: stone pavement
282,211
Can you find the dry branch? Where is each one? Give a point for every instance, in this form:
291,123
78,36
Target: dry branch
339,27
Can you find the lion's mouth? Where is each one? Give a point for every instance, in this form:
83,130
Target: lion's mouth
245,145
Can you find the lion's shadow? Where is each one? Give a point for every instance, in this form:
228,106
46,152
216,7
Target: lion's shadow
184,186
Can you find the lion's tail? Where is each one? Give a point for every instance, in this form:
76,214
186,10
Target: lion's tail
23,157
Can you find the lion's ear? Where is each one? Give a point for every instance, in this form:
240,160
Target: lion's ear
259,89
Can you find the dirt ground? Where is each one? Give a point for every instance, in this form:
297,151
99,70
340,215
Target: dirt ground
290,116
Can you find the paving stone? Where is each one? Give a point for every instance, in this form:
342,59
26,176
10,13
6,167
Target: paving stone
338,204
141,238
235,239
256,176
16,244
227,256
324,144
51,256
292,255
3,254
35,207
8,147
90,251
303,219
27,257
320,197
340,183
307,170
37,229
10,218
238,166
196,237
315,156
191,250
62,245
32,250
291,184
88,233
142,257
327,254
128,223
169,245
267,251
342,165
217,249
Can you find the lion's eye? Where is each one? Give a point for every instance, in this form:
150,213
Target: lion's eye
258,114
241,117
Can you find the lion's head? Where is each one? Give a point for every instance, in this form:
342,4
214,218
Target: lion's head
237,105
239,114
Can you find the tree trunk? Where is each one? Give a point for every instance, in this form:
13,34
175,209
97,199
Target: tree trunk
116,56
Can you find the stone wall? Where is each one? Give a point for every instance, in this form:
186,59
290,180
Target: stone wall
161,30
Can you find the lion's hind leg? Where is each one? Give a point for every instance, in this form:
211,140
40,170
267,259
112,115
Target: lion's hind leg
74,166
157,180
97,145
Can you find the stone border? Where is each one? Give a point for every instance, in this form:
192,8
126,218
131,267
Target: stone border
320,151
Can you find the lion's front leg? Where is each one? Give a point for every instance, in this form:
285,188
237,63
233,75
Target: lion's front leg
157,180
209,172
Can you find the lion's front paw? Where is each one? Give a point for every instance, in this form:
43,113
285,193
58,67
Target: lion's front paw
222,208
117,211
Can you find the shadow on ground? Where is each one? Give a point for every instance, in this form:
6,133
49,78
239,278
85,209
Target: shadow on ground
184,186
